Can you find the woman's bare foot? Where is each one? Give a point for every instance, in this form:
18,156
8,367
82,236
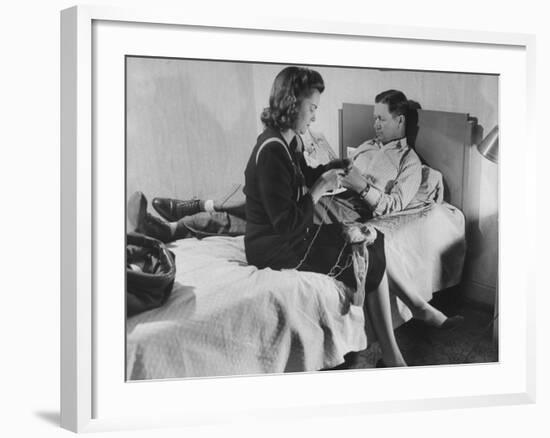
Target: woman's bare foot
451,322
434,318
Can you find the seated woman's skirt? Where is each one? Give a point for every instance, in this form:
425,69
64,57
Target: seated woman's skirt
330,254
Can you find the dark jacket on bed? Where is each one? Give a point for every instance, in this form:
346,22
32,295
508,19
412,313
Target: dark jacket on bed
279,210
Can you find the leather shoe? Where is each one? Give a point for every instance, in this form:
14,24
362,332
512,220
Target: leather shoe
173,210
155,227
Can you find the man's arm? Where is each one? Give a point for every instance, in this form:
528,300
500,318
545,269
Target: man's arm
393,199
403,189
402,192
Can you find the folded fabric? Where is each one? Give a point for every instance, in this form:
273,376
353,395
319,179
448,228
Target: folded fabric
431,188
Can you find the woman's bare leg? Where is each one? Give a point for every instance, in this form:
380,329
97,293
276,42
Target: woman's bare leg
379,312
420,308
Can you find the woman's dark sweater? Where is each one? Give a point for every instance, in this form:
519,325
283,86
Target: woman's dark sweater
279,210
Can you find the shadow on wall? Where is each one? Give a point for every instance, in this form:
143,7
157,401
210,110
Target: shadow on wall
412,124
51,417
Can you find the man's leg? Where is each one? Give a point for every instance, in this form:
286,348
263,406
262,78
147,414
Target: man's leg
212,224
232,202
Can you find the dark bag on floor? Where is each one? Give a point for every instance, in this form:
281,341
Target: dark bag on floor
150,273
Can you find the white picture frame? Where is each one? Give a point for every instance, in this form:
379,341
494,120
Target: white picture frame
85,403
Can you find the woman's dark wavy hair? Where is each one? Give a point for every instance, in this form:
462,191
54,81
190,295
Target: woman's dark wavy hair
399,105
291,86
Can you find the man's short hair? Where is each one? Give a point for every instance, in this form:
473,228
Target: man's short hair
398,104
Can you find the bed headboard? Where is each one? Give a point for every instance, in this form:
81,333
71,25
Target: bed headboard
443,141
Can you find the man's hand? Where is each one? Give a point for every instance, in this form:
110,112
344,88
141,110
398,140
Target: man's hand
330,180
354,180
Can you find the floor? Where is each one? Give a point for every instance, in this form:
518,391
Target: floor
471,342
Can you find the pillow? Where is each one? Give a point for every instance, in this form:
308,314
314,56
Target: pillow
317,150
350,152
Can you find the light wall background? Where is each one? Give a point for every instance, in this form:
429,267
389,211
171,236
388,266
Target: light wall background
192,124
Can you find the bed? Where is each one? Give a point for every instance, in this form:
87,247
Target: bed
225,317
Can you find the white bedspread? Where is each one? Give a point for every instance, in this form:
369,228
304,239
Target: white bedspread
425,250
228,318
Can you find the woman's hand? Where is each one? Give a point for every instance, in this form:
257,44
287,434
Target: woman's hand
345,164
354,180
330,180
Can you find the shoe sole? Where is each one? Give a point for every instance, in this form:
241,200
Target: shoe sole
137,209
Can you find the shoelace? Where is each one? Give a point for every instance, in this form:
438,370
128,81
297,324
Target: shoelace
190,203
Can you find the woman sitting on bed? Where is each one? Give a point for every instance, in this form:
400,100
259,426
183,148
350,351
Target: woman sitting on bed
281,192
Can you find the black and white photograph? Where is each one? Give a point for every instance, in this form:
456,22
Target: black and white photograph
296,219
285,218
